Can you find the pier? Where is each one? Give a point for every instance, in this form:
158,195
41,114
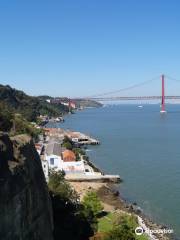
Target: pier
93,178
81,138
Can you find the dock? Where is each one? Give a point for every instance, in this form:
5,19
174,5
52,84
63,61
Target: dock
81,138
93,178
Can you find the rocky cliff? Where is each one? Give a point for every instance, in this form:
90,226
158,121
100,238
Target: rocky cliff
25,207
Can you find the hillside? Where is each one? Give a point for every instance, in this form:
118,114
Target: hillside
80,102
30,107
85,103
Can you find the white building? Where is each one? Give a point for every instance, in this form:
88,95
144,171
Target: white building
59,158
53,155
70,165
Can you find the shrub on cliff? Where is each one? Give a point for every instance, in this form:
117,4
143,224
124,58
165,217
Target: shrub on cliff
60,187
16,123
21,126
5,118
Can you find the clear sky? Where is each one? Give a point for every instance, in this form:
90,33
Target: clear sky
83,47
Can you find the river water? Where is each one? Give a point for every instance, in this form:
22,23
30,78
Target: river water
143,147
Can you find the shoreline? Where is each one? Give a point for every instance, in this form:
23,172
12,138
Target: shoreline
111,197
113,201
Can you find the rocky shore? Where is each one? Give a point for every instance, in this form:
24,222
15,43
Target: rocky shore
112,201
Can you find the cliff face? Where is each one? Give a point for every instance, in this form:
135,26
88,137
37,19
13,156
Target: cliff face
25,207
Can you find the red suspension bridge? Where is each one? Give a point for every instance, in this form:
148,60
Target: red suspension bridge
162,97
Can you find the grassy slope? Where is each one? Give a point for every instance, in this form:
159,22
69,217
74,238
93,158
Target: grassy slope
105,223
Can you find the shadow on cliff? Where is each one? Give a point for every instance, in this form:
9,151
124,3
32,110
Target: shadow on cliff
25,206
69,223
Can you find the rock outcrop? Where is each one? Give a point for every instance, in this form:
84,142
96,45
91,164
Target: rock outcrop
25,206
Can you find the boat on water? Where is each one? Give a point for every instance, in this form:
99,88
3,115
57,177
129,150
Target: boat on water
140,106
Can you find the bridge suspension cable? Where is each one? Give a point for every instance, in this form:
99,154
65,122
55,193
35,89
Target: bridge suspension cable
173,79
123,89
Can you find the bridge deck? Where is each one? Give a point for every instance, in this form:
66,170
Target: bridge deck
135,98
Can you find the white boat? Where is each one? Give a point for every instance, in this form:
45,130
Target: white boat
140,106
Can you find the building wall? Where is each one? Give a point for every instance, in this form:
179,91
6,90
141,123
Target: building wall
76,167
54,162
68,167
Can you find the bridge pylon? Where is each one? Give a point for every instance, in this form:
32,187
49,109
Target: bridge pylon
163,95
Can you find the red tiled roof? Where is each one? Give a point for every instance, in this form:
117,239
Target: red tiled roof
68,156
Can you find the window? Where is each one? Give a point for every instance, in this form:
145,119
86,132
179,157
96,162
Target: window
52,161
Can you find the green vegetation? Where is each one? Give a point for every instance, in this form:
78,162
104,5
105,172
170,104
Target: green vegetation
22,126
5,118
106,222
122,232
69,219
68,144
92,207
78,152
92,203
72,219
30,107
86,103
119,226
59,187
16,124
17,110
86,220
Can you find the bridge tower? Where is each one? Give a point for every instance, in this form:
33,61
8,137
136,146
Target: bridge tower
163,96
69,105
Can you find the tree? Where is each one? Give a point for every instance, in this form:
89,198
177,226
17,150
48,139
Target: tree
5,118
60,187
124,231
78,152
55,178
91,208
92,202
69,221
67,145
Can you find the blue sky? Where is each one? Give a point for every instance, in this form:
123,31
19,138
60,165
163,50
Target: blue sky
83,47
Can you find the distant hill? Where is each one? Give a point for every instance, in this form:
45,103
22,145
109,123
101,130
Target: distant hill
87,103
81,102
30,107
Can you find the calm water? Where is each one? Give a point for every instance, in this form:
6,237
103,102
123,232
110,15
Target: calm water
144,148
